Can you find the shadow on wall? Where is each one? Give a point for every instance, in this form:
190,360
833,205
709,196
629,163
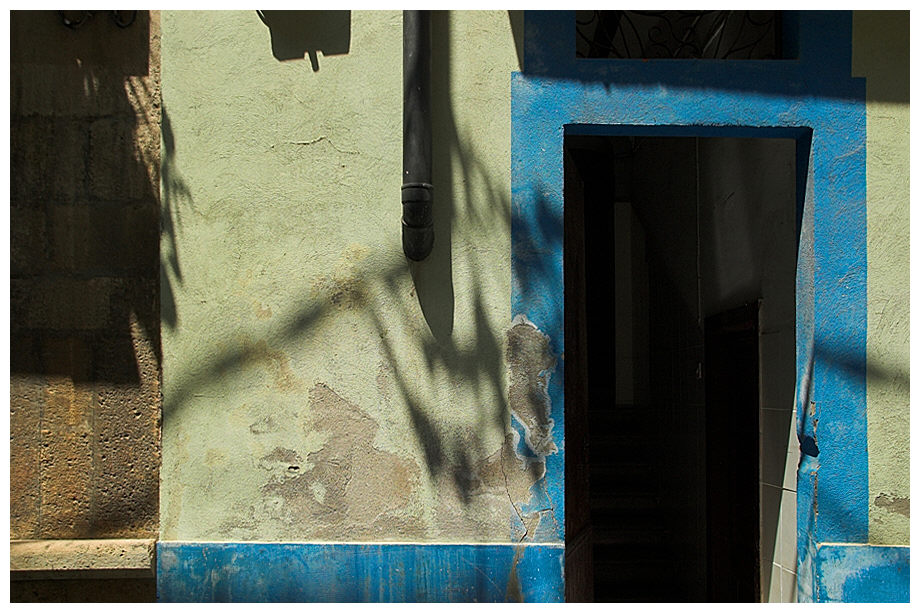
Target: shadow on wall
552,40
97,162
176,195
84,321
516,21
297,34
457,462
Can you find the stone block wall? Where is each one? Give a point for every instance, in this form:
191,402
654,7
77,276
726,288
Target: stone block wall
84,268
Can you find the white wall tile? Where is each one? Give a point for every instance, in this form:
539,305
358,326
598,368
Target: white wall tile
777,370
775,594
787,531
788,590
770,509
774,445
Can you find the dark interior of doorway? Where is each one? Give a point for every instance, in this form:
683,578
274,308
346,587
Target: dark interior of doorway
662,392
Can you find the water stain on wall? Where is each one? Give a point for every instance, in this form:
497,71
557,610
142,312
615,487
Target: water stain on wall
284,377
342,292
262,311
343,288
513,591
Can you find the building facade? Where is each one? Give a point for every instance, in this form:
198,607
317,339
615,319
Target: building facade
662,332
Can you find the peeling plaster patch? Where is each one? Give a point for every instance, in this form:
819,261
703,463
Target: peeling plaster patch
280,455
531,364
349,488
531,521
472,500
540,521
503,471
895,504
473,492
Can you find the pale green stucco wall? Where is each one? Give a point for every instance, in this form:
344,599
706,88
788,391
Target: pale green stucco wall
295,334
317,387
881,44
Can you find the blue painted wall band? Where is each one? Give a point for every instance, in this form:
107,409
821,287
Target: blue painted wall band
863,573
350,572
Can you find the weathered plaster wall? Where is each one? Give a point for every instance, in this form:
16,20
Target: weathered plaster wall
292,322
316,386
84,322
881,42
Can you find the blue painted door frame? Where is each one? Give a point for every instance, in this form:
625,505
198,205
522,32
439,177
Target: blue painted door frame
813,99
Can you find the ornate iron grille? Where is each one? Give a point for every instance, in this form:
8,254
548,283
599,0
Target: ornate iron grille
734,35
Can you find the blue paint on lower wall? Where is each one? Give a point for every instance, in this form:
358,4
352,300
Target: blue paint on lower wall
862,573
348,572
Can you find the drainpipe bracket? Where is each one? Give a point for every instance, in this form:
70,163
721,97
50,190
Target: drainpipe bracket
417,226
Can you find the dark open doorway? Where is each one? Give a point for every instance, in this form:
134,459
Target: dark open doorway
680,273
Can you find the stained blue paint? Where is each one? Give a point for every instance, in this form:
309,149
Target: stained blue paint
540,503
298,572
863,573
812,98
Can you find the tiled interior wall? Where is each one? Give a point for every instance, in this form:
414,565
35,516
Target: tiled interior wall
747,193
779,458
745,202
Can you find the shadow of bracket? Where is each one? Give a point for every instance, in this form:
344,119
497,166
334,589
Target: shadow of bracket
297,34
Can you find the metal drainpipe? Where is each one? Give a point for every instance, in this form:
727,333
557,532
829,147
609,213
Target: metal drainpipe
417,229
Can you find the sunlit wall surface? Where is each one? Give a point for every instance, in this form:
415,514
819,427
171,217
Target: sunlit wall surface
317,388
